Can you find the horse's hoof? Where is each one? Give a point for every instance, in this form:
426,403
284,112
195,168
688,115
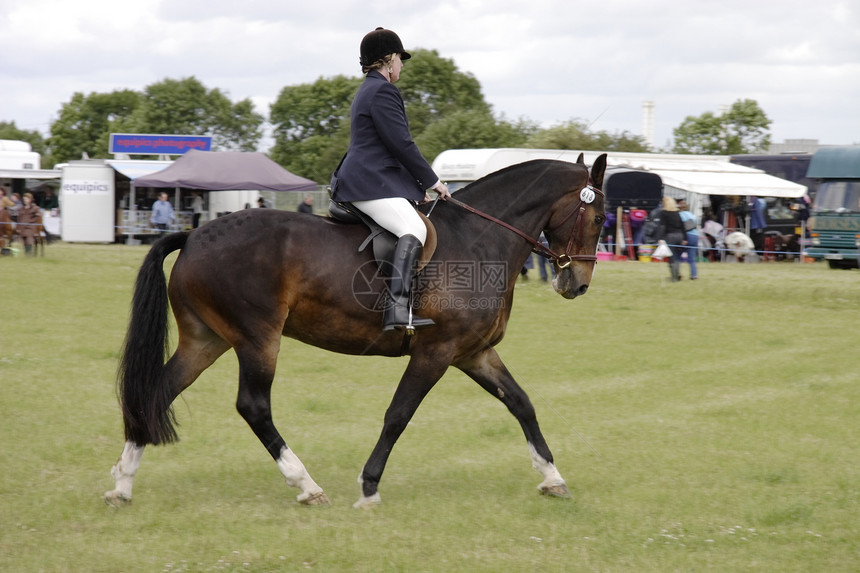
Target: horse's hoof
319,498
555,491
116,499
368,502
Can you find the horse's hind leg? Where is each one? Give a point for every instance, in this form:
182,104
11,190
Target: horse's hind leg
256,373
123,472
191,358
490,373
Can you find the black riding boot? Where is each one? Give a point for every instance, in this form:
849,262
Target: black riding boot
397,313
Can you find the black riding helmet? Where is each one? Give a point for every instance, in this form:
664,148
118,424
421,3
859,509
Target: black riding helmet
378,44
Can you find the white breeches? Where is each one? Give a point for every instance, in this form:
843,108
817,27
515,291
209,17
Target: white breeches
395,214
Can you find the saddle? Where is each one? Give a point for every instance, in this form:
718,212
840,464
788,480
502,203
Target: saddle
381,240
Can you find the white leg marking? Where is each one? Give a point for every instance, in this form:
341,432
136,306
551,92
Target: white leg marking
297,476
123,472
365,502
551,477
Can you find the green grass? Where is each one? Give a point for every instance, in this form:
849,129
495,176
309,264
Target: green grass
701,426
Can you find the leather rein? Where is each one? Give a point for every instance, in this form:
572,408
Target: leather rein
563,260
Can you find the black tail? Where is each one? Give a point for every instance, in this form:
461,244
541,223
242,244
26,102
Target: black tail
144,393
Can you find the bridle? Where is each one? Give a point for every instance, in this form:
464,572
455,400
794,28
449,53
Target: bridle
586,196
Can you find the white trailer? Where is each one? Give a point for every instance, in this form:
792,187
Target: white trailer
18,155
18,162
88,202
689,177
697,174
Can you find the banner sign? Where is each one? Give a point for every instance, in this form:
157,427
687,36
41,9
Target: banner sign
142,144
86,187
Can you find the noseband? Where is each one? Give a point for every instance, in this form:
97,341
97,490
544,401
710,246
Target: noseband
586,197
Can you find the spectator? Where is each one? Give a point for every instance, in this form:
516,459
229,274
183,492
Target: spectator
672,231
196,209
49,200
307,206
29,219
17,203
162,213
758,222
692,236
543,263
4,200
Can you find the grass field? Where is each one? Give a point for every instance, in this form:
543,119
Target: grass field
701,426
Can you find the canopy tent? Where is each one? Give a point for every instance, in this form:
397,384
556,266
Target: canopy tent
695,174
712,176
135,168
226,171
693,178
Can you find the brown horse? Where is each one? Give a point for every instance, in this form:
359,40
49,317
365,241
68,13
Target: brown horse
244,280
9,231
7,227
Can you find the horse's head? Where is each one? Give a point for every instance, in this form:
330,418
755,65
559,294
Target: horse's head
574,229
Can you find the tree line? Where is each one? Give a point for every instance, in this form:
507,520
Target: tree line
310,122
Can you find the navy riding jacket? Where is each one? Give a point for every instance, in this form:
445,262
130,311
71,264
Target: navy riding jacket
382,160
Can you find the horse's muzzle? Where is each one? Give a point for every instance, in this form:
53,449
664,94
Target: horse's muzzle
568,290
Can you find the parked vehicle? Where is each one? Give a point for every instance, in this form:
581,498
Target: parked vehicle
835,221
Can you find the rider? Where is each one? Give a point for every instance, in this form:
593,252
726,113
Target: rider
29,217
383,174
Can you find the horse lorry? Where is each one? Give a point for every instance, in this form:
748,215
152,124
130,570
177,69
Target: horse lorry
834,225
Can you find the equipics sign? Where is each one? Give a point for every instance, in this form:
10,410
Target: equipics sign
142,144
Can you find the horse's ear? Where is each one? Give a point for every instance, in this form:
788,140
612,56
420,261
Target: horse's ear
581,159
597,171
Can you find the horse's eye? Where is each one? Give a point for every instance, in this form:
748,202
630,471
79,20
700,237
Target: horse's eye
599,219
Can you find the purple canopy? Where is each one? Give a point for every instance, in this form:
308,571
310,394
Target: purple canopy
226,171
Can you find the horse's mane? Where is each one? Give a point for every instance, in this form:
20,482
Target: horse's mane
476,190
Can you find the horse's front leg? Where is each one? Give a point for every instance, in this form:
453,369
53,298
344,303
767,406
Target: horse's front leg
421,375
490,373
123,472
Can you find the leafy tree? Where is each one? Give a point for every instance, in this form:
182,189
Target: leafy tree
311,126
472,129
312,120
574,134
182,106
320,108
8,130
433,88
85,123
742,129
186,107
618,141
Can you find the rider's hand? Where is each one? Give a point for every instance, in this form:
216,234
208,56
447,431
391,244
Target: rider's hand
442,190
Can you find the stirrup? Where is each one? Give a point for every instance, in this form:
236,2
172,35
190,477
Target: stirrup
411,327
412,323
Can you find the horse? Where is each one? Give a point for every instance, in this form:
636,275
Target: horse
41,235
10,230
244,280
7,228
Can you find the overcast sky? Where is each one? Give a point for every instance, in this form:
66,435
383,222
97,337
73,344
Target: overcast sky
546,60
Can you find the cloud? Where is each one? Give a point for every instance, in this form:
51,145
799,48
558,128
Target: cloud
548,61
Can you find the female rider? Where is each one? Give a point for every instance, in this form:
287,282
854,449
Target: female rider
383,174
